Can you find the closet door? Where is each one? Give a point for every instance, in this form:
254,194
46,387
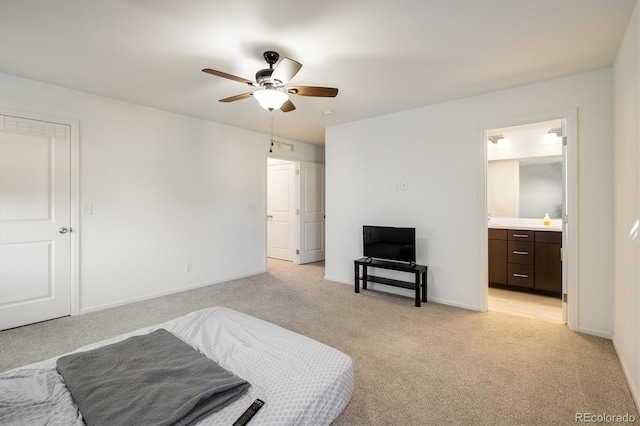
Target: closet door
35,221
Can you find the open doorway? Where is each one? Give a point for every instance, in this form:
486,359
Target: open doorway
526,187
295,211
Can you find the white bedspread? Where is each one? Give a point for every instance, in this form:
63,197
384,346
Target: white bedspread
302,381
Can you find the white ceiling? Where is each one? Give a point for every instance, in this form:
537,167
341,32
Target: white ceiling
384,56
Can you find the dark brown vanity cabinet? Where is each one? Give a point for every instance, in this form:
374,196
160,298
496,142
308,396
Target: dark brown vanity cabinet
526,260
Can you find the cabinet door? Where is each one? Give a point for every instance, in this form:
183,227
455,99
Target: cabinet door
548,237
497,234
498,261
548,267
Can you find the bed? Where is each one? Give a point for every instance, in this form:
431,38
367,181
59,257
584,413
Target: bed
302,381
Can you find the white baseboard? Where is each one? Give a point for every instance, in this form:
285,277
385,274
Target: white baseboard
633,386
455,304
338,280
597,333
166,293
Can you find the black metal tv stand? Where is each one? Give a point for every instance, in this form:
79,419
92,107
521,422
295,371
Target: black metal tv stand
420,272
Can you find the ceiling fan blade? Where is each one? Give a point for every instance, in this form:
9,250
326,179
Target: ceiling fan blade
287,106
237,97
229,76
322,92
285,70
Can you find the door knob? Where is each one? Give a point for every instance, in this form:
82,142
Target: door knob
63,230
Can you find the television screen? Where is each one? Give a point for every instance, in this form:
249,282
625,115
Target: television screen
386,242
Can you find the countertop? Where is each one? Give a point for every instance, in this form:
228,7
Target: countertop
525,224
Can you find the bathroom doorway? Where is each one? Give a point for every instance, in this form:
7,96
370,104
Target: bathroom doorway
295,211
527,203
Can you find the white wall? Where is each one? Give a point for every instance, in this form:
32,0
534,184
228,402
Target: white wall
166,190
439,152
626,74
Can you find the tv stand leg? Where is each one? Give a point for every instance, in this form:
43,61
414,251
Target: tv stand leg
417,289
424,286
364,277
356,280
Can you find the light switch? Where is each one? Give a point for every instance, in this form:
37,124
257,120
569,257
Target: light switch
87,209
251,207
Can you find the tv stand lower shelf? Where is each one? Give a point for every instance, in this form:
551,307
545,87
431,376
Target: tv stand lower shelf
419,271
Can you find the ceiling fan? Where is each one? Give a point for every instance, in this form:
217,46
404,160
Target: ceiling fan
271,93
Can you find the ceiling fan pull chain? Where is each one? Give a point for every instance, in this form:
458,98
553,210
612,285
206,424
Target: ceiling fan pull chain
271,133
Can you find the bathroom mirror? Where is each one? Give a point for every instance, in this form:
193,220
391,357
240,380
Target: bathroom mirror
525,187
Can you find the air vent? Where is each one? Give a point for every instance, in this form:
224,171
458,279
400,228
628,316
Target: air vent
35,127
282,146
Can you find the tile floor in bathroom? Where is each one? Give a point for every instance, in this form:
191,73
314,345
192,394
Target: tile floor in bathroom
526,305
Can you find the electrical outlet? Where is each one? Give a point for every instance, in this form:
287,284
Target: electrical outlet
187,267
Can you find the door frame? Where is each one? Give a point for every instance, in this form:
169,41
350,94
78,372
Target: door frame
571,250
296,222
300,176
75,194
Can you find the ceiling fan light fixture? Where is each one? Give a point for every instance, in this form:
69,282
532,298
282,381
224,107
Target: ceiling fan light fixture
270,90
270,98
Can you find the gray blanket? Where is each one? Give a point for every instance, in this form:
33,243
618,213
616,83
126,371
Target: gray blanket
155,379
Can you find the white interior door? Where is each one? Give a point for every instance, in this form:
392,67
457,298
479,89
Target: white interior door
35,219
280,209
311,208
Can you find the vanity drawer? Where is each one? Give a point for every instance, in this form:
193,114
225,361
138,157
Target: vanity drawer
520,275
497,234
520,252
519,235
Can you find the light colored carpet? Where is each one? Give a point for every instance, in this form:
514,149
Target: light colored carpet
434,365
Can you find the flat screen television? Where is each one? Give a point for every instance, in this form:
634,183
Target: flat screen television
389,243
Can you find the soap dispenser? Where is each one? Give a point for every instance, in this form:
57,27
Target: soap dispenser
547,219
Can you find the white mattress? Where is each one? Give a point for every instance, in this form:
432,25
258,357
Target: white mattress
302,381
